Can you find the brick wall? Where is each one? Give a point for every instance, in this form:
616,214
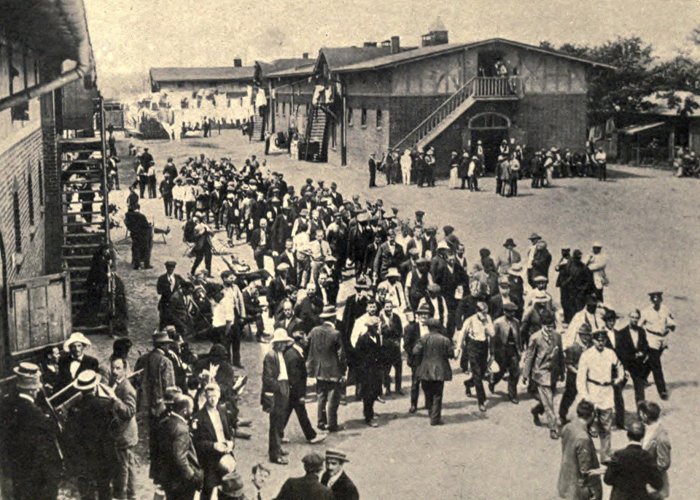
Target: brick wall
17,163
52,187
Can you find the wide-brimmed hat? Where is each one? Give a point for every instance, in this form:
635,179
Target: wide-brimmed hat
424,308
161,337
540,279
392,272
26,369
534,236
337,455
509,243
328,312
75,337
281,335
86,380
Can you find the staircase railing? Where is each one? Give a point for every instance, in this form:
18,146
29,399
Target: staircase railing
440,113
496,86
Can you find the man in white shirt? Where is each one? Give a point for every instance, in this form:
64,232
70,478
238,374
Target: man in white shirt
657,320
360,325
596,263
592,314
474,337
394,291
598,371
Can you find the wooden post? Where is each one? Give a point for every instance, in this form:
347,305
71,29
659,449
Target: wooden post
343,128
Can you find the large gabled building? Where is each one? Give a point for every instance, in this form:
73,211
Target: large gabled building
446,95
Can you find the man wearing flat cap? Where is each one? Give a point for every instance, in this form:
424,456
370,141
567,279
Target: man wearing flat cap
33,456
165,286
433,353
308,486
335,477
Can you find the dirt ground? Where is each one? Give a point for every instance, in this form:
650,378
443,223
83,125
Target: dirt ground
649,225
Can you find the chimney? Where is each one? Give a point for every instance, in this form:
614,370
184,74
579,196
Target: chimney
370,44
395,44
237,62
305,55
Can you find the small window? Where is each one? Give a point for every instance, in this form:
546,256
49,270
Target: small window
30,199
363,117
17,222
349,117
380,118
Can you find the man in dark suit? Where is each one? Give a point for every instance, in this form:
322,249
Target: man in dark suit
411,336
308,486
260,242
288,257
390,254
370,370
336,479
391,332
434,352
288,321
274,397
631,469
507,348
213,439
75,362
633,351
297,374
165,286
327,364
181,472
33,456
277,290
372,164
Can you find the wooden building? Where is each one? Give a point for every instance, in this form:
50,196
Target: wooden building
448,96
44,47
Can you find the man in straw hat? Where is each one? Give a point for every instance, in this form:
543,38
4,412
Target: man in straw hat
33,456
327,364
309,485
335,477
87,428
434,352
76,361
275,393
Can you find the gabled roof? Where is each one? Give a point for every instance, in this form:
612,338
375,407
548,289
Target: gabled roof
283,64
435,50
228,73
300,71
337,57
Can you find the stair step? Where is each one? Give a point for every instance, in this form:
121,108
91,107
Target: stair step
82,245
82,224
84,235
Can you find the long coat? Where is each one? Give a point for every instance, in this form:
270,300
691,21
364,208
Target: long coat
371,360
434,352
578,456
326,353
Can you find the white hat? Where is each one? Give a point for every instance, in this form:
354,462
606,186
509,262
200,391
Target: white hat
443,246
75,337
392,272
281,335
86,380
597,244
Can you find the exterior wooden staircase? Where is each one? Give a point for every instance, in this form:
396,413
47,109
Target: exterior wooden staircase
316,135
476,89
258,128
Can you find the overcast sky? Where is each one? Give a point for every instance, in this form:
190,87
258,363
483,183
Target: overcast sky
133,35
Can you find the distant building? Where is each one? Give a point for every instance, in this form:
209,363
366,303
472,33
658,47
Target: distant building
445,95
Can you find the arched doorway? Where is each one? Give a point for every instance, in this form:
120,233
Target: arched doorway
490,128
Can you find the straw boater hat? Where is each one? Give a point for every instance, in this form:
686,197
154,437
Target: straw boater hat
87,380
392,272
28,376
337,455
281,335
75,337
328,312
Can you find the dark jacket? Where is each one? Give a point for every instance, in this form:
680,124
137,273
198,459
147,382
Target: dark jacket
158,374
370,364
629,472
326,353
411,336
384,259
292,326
296,373
343,488
434,352
627,353
64,376
163,287
307,487
204,438
180,469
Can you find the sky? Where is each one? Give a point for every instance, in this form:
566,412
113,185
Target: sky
130,36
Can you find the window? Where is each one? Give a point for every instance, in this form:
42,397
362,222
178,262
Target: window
41,184
18,223
380,118
30,199
349,117
363,118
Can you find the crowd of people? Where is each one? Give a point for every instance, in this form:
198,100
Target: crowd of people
511,163
416,298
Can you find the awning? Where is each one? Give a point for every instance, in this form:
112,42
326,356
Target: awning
636,129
